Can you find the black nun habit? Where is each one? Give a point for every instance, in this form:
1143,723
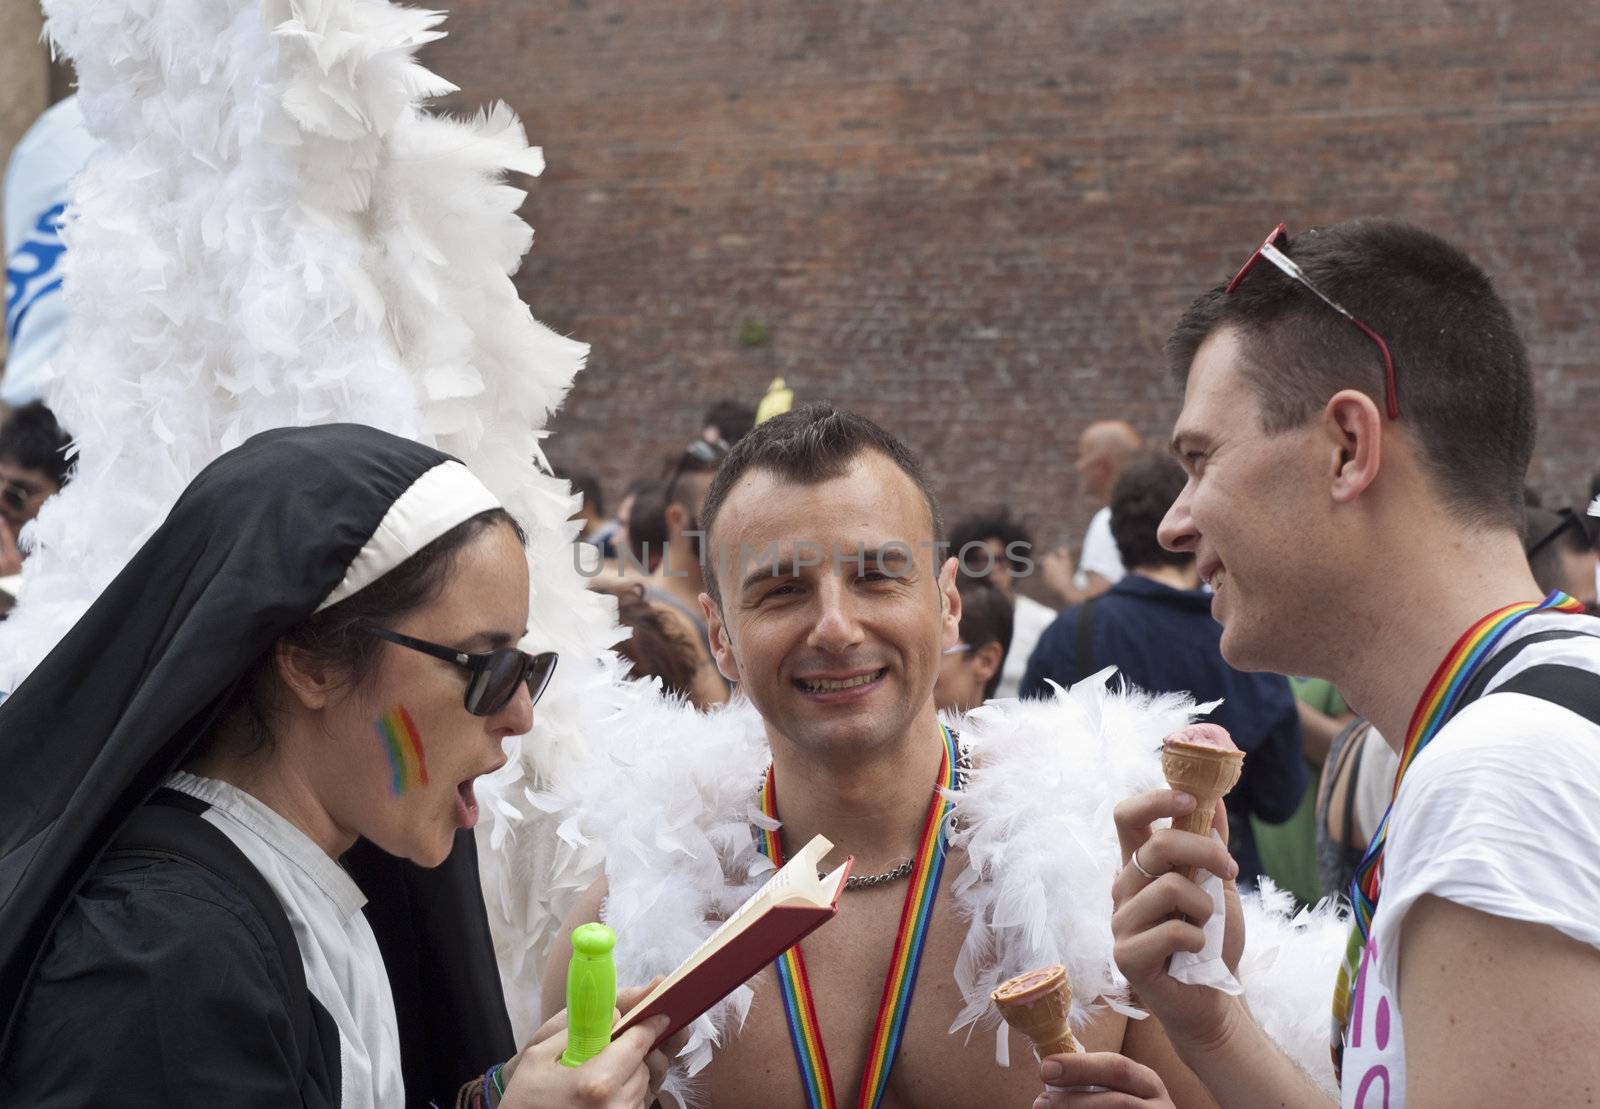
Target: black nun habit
289,522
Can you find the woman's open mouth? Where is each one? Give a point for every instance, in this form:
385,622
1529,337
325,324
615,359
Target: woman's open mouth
466,805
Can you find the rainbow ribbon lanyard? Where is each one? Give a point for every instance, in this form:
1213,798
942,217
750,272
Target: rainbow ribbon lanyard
1438,705
798,1004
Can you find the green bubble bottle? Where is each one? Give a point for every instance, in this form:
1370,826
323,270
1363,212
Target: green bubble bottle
591,993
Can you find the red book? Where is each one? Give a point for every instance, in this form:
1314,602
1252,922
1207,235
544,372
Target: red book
793,904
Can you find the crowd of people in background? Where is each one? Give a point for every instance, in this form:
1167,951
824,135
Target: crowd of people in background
1319,776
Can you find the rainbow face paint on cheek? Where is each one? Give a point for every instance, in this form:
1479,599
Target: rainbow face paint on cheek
403,745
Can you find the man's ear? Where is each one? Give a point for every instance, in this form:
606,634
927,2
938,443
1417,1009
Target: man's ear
986,660
310,680
1353,427
677,518
721,644
950,603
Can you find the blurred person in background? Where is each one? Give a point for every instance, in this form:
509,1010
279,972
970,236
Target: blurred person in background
1155,626
969,672
1289,850
1560,552
727,421
677,581
998,549
598,531
33,468
625,510
660,645
1104,449
1353,793
645,533
37,177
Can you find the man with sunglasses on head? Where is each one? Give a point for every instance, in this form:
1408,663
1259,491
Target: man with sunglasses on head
33,468
1357,421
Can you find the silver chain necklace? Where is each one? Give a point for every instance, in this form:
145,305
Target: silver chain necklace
867,881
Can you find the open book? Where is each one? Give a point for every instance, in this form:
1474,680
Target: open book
793,904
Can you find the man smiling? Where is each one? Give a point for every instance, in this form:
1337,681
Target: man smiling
1357,422
829,602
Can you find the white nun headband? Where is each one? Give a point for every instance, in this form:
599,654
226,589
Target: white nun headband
446,495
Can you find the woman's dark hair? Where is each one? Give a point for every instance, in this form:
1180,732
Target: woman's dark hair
335,634
1139,501
655,648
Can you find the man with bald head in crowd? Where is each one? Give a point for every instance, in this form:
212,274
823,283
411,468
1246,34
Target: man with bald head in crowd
1104,449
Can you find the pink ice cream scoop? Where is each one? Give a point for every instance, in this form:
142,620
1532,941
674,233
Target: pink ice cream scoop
1202,735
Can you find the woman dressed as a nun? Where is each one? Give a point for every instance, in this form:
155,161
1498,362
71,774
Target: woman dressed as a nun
236,802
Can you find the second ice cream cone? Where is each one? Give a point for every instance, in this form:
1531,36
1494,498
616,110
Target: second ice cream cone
1036,1004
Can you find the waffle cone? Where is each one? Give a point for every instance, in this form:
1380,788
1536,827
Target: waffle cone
1206,773
1036,1004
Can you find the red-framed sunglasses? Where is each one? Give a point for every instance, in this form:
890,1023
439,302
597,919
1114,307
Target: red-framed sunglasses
1272,253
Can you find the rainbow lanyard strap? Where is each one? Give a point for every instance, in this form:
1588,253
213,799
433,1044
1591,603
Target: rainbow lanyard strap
894,1007
1437,706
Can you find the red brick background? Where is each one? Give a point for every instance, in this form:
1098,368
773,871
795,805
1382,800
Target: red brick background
976,222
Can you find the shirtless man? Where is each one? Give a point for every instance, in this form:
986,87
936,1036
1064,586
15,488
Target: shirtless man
828,602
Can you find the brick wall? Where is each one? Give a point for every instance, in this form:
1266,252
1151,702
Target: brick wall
977,222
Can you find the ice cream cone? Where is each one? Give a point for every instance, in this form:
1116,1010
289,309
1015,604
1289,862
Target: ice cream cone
1195,760
1036,1004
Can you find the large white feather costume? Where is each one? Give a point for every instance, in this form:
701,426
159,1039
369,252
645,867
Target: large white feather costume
274,232
669,799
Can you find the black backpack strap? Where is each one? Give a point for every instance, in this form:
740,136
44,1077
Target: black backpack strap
171,825
1503,658
1574,689
1085,628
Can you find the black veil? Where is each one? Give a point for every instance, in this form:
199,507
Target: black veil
251,548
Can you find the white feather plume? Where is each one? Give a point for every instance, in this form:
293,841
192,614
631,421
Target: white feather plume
669,801
1036,824
273,231
1035,821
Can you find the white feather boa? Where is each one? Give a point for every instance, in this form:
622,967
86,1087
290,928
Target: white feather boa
1036,823
273,231
664,808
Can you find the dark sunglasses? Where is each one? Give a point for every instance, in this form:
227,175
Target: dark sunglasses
494,675
709,453
1273,251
